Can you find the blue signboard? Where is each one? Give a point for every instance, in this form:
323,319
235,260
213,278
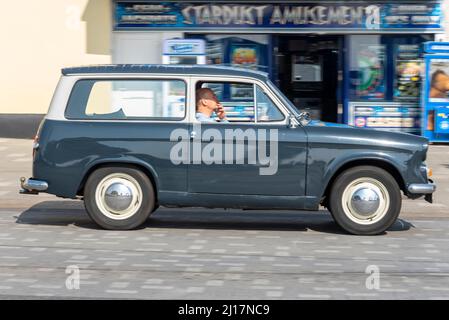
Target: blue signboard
274,16
436,47
390,116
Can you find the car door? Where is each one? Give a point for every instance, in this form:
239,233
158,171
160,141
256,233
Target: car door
268,157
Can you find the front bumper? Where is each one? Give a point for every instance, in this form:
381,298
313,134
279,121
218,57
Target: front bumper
423,189
32,186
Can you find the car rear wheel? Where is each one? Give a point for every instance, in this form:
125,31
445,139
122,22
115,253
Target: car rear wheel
365,200
119,198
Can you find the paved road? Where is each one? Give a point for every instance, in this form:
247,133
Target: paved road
216,254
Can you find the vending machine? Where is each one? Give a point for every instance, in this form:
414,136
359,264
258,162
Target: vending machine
435,94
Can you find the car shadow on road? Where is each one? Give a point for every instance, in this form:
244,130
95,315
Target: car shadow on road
63,213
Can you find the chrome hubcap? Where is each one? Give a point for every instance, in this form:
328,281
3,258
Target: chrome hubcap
118,196
365,201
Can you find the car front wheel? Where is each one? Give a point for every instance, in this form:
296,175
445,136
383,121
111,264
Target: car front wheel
365,200
119,198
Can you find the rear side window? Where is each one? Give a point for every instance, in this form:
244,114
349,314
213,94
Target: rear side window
127,100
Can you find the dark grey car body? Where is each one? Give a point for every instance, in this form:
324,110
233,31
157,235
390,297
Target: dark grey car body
311,154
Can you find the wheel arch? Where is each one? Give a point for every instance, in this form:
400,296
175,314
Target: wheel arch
375,162
148,170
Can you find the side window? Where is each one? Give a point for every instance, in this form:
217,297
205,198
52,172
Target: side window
236,98
239,101
127,100
267,111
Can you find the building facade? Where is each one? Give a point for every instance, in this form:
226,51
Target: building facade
355,62
49,35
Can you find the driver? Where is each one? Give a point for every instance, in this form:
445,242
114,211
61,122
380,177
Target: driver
206,104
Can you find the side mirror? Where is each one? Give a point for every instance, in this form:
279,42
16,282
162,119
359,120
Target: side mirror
304,118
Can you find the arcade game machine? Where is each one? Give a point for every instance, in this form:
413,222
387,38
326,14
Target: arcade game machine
435,94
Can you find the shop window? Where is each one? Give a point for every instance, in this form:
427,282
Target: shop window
127,100
386,67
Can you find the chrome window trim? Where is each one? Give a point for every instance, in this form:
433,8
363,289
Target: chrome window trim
65,85
265,88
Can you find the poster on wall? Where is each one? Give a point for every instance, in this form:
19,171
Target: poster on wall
371,72
407,81
438,80
243,56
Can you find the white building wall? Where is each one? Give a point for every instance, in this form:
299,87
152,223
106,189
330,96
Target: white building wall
140,47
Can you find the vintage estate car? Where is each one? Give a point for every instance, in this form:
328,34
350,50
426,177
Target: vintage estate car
126,139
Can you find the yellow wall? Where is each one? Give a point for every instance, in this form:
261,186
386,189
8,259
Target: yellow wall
38,38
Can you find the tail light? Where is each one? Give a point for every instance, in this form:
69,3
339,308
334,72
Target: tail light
35,145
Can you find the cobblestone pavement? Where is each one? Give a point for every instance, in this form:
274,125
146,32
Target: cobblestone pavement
216,254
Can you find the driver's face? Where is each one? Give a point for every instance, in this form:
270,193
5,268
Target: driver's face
213,103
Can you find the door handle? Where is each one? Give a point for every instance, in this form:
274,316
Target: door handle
193,136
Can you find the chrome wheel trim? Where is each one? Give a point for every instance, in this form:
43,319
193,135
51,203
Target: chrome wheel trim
365,201
118,196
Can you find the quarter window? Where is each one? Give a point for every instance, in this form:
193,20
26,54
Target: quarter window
266,109
127,100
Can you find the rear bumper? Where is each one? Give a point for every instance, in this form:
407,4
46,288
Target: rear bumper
32,186
423,189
